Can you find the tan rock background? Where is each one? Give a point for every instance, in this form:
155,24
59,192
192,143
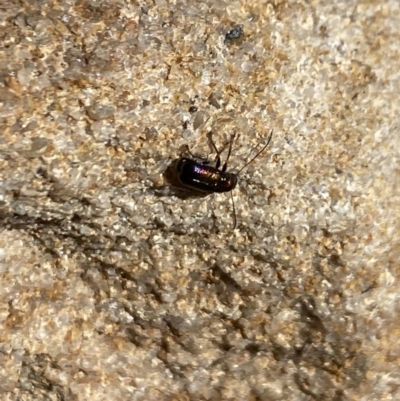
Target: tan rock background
114,288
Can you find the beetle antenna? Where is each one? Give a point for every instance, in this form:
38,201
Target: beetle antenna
258,154
234,212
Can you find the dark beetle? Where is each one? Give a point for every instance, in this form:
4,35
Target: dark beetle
198,176
205,178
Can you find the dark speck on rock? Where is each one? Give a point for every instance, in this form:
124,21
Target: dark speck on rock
233,34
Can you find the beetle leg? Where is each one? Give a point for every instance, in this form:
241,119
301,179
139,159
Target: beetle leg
225,166
214,146
218,162
204,161
218,152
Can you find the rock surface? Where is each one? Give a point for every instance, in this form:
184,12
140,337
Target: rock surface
115,287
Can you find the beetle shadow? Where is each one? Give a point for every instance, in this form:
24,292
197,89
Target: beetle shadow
174,186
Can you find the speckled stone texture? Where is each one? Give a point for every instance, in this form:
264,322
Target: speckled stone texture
114,286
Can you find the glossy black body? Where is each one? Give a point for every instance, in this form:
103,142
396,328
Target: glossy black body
202,177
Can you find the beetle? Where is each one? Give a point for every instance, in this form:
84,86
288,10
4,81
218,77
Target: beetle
199,176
